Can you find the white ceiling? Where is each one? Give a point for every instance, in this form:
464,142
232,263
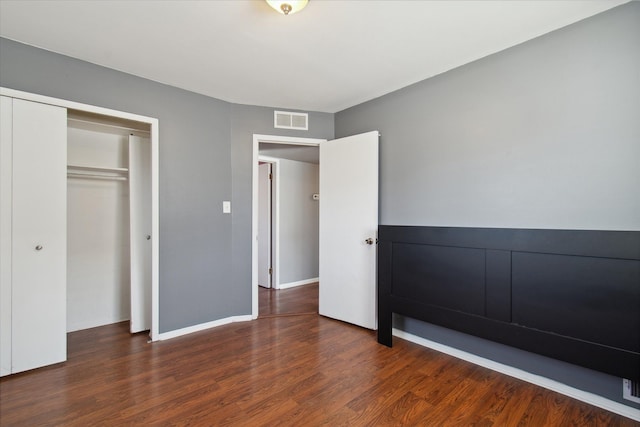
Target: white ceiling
331,56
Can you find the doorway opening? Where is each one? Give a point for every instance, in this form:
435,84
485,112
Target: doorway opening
108,221
278,282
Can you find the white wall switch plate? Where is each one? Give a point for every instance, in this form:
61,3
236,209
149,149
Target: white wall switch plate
226,207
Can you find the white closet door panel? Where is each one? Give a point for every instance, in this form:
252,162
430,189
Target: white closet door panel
39,235
6,131
140,232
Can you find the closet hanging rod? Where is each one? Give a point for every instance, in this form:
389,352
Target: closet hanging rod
97,168
89,122
93,176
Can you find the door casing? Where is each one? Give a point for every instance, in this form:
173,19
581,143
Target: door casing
267,139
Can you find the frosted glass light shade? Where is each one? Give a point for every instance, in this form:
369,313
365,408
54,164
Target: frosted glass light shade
287,7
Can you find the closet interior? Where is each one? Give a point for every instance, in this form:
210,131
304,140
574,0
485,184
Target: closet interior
108,160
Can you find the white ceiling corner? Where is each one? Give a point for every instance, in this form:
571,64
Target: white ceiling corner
328,57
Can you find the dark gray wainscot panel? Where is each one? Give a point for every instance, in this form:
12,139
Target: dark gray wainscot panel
572,295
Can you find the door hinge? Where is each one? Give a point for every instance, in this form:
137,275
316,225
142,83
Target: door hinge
271,176
270,270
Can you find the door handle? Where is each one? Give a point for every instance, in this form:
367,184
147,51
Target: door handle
39,248
369,241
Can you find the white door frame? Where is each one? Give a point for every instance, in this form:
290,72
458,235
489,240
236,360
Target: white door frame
155,226
267,139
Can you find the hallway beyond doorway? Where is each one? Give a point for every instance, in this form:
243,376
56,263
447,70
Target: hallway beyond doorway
288,302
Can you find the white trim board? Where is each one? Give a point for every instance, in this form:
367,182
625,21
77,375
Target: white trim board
203,326
74,105
155,224
299,283
584,396
268,139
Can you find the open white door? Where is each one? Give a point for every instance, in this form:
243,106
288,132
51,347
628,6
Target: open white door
349,229
264,225
140,232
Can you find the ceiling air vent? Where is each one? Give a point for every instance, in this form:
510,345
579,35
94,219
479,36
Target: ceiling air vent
290,120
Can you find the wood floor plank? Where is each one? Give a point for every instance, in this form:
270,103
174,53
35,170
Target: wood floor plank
407,410
493,403
283,369
515,408
292,301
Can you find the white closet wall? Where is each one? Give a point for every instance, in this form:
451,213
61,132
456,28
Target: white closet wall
98,270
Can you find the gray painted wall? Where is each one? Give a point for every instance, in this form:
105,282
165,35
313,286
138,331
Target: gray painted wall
543,135
299,221
246,121
194,171
205,158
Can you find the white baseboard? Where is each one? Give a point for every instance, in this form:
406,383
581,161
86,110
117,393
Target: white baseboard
298,283
203,326
584,396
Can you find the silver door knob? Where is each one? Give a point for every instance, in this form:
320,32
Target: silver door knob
369,241
39,248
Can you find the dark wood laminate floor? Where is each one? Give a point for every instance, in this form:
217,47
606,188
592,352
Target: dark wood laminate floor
287,302
290,370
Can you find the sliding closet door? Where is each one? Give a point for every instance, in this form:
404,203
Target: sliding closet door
6,136
140,232
39,225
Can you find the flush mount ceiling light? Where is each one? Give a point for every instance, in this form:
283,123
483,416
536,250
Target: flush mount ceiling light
287,7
